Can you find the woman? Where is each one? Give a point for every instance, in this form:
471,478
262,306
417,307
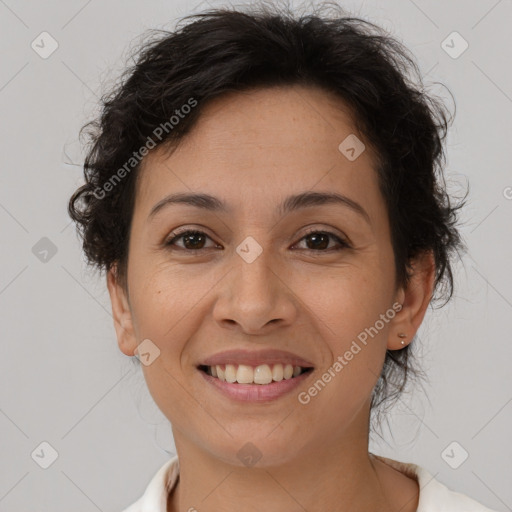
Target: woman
265,194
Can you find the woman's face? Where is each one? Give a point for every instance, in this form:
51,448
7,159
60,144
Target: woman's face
257,279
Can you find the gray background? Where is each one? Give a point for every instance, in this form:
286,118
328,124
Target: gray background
63,379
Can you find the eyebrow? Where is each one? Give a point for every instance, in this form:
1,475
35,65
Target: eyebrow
290,204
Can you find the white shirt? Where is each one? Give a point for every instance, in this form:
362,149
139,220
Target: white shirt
433,496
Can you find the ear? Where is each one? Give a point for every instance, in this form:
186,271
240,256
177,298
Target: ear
415,298
123,322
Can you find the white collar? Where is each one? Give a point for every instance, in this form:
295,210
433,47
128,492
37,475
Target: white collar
434,496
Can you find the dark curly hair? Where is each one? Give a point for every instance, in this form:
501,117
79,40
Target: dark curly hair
225,50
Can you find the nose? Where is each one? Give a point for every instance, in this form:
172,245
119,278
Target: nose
255,297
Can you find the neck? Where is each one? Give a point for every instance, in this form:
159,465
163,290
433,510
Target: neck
339,475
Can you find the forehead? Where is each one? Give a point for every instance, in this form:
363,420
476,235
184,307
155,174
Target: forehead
262,144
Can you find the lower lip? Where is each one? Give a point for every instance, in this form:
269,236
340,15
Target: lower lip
256,392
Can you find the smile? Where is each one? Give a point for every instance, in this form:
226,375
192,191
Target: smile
262,383
263,374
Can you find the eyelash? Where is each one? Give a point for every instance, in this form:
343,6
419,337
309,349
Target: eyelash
180,234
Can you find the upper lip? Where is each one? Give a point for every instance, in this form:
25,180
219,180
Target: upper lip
255,358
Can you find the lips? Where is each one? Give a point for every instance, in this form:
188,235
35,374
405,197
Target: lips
260,390
255,358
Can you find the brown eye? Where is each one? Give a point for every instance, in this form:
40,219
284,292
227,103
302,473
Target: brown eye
318,241
192,240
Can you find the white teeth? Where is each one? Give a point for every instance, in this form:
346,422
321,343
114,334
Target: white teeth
288,371
262,374
277,372
244,374
230,373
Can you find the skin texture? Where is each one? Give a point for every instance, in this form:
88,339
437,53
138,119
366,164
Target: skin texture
252,150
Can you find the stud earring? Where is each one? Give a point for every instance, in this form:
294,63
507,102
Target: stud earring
402,335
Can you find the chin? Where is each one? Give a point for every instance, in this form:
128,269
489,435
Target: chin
259,448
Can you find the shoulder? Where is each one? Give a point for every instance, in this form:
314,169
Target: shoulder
434,496
155,496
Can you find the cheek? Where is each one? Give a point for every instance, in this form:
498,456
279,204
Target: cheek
354,337
172,304
168,308
349,308
345,301
163,304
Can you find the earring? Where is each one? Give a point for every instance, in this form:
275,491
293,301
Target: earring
401,335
